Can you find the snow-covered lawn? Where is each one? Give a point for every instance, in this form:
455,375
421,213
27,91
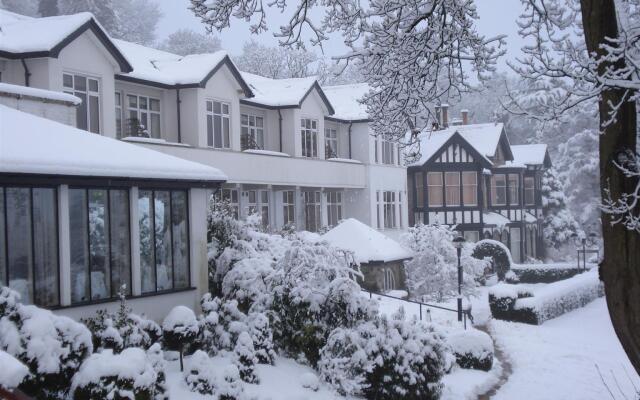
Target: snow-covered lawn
560,358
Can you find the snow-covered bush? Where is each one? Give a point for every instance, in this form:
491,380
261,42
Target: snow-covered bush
51,346
497,252
180,329
543,273
12,373
245,358
199,373
389,359
432,273
122,329
221,322
106,375
155,356
303,314
262,335
230,386
472,348
310,381
247,282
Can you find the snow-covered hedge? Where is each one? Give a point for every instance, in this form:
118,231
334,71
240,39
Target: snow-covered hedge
472,348
514,303
385,359
202,377
543,273
498,252
106,375
51,346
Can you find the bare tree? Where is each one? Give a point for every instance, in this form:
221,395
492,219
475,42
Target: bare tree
411,53
276,62
187,41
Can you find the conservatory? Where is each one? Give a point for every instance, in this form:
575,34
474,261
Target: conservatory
85,218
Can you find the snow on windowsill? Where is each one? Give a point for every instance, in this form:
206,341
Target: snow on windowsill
25,91
152,141
344,160
266,152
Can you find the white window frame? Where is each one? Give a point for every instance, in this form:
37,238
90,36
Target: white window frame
211,113
331,142
119,114
388,152
334,207
288,207
309,137
249,127
232,196
389,209
258,202
144,113
87,93
312,201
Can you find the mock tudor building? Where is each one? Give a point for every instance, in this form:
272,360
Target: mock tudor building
295,152
470,176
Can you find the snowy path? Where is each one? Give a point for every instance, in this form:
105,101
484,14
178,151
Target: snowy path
560,359
505,364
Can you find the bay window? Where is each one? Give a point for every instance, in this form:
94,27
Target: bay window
514,189
529,191
331,143
498,190
29,243
312,213
251,132
469,188
100,243
88,90
218,125
452,187
334,208
164,239
309,133
143,116
435,189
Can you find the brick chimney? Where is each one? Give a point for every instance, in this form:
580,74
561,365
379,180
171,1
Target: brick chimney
465,116
445,115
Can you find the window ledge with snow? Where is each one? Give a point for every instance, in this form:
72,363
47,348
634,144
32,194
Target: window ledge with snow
344,160
139,139
266,152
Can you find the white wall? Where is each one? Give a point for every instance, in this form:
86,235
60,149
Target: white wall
56,111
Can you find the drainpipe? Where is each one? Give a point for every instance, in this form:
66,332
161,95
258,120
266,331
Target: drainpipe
280,127
350,124
27,74
178,111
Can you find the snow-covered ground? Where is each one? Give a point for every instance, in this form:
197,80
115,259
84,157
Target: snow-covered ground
560,358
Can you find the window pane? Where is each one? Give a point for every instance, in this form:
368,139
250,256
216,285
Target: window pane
3,250
419,189
94,114
145,221
45,246
209,106
19,242
133,101
120,241
216,107
93,85
209,131
143,103
155,105
225,132
164,271
217,130
67,80
434,189
79,83
99,244
514,189
180,222
155,125
469,188
81,112
79,245
118,99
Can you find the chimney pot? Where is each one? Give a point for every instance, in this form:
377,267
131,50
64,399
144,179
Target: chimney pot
445,115
465,117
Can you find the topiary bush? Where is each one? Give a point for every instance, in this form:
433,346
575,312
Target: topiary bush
497,252
181,329
262,335
472,348
245,358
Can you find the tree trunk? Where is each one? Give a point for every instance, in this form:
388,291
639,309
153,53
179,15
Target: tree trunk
620,268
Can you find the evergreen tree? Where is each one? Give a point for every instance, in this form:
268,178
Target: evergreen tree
559,223
245,357
48,8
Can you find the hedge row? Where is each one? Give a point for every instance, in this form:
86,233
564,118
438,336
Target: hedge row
539,273
518,304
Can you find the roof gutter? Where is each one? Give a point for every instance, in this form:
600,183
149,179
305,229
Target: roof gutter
27,74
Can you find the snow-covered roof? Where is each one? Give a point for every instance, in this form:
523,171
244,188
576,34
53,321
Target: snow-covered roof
529,154
368,244
33,145
25,91
346,101
492,218
22,36
282,93
168,69
484,138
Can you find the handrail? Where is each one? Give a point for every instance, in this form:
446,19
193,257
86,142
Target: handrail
466,313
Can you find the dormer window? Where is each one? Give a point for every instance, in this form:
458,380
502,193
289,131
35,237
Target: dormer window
331,143
88,90
251,132
309,134
143,116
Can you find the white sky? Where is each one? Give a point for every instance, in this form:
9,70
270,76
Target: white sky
496,17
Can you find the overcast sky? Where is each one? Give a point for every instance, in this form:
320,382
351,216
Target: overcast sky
496,17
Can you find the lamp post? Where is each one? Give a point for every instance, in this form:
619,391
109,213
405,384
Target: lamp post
458,242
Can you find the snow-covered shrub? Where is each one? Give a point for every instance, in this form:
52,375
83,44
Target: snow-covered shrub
497,252
245,358
247,283
432,273
221,322
12,373
199,373
230,386
543,273
122,329
156,358
180,329
262,335
310,381
303,314
51,346
389,359
105,375
472,348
